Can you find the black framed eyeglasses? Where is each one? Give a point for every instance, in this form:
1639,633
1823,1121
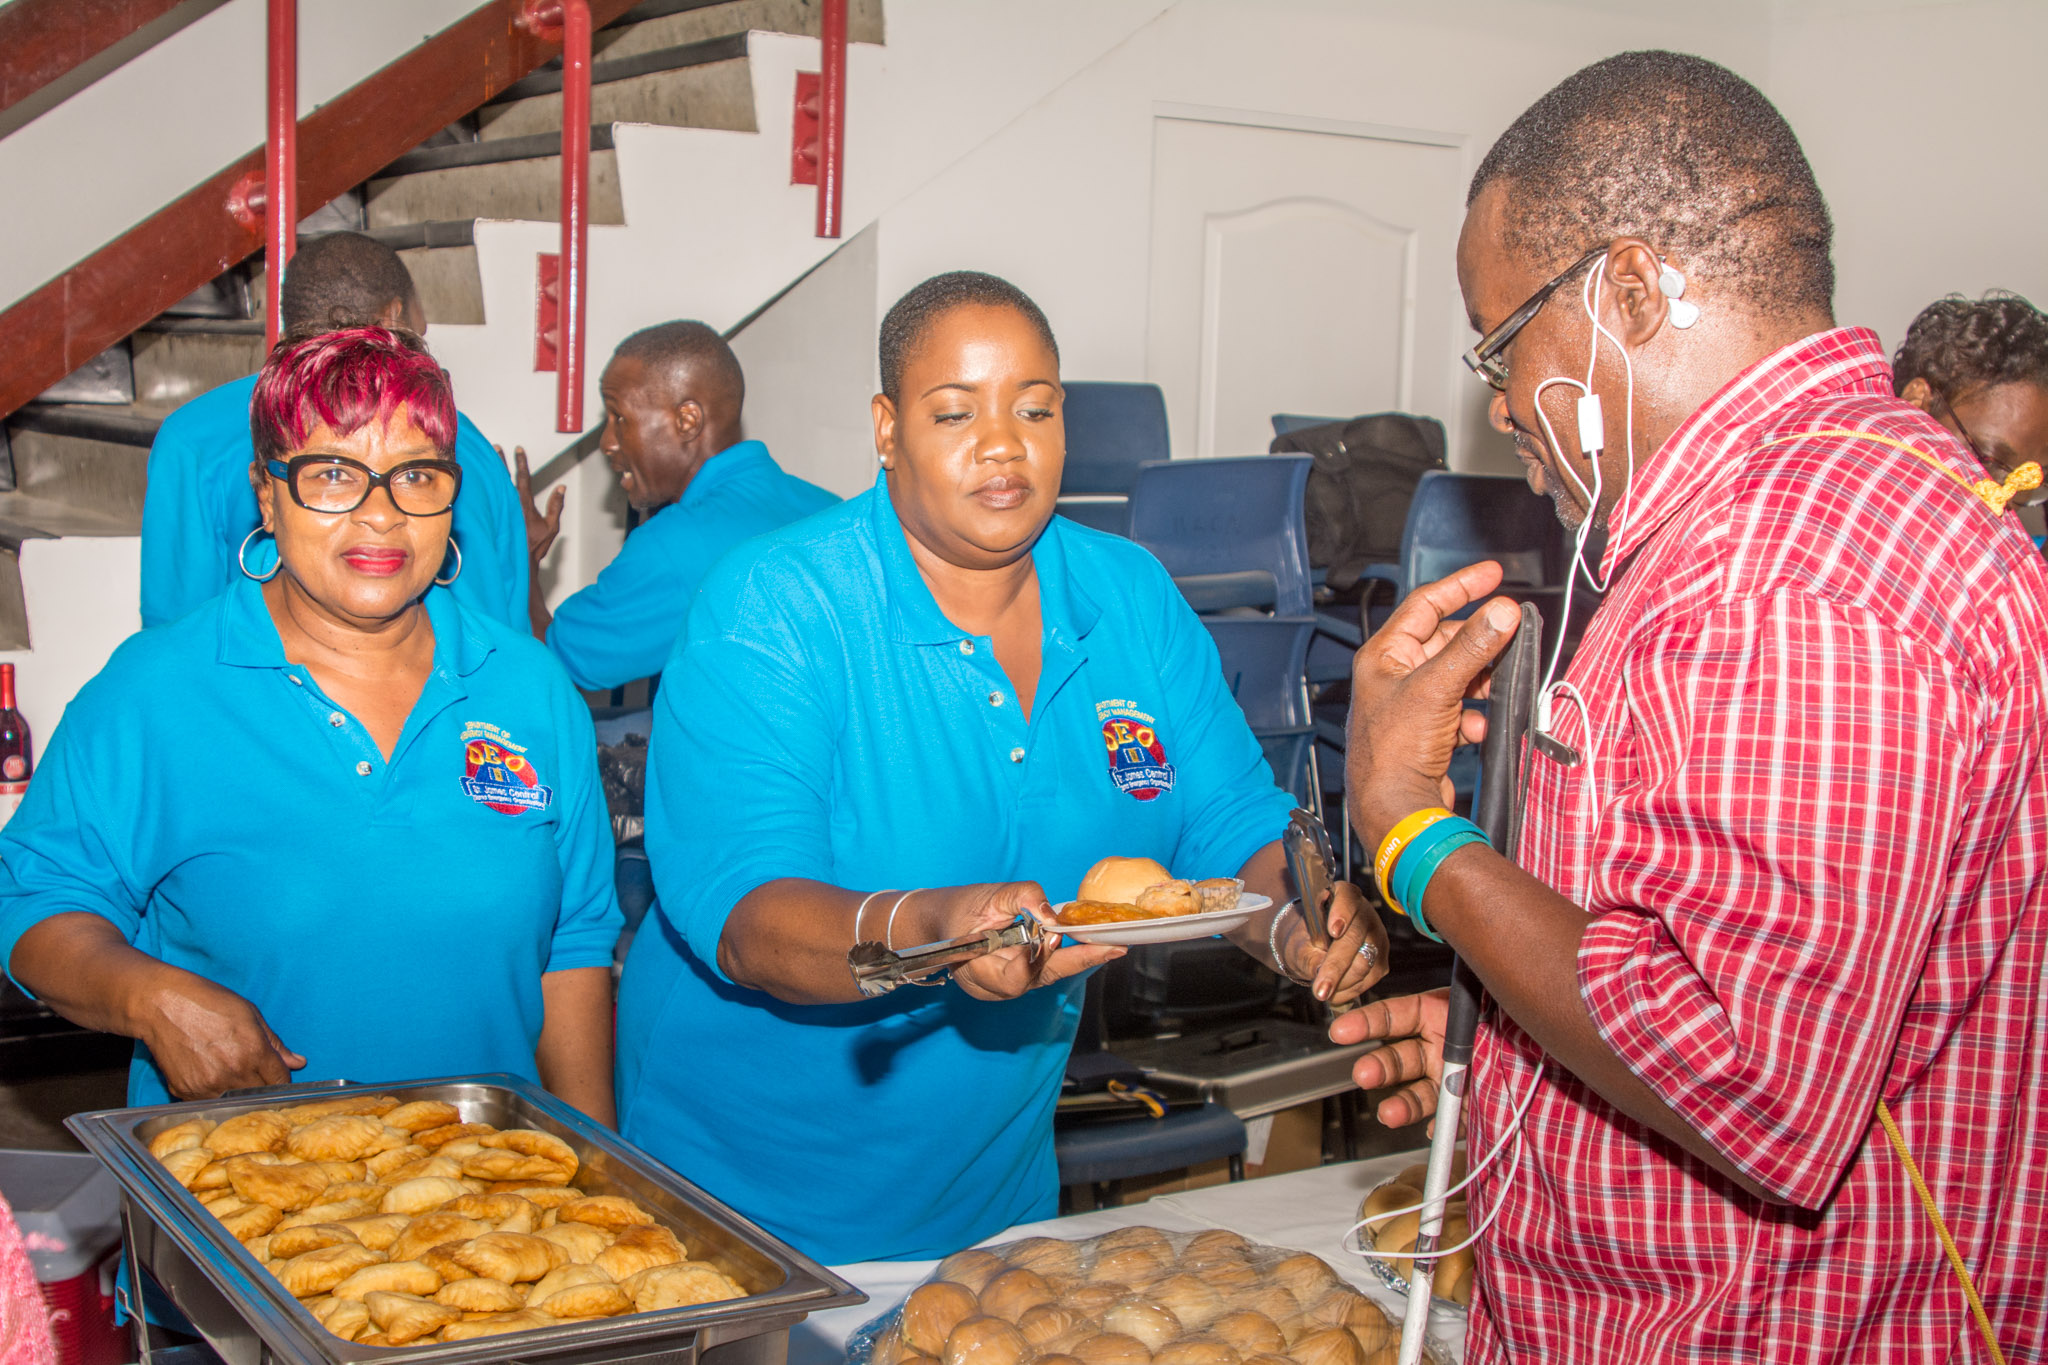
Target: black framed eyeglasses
1484,359
335,483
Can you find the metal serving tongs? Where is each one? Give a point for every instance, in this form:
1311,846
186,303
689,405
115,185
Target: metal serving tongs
880,969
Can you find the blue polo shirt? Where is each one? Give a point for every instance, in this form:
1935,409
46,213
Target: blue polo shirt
823,719
623,625
199,508
391,920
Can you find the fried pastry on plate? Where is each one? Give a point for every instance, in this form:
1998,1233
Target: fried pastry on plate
393,1277
1083,913
514,1257
1215,893
605,1210
320,1270
407,1317
504,1212
431,1166
494,1165
213,1176
549,1197
431,1230
259,1130
680,1285
1168,900
417,1196
420,1115
341,1104
345,1172
336,1137
179,1137
604,1300
285,1188
442,1260
639,1248
330,1211
583,1241
478,1295
533,1142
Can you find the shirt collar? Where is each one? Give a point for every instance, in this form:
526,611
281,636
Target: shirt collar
1707,445
734,462
249,638
914,615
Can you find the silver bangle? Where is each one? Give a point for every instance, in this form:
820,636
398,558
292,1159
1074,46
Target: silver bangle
862,911
1273,938
889,931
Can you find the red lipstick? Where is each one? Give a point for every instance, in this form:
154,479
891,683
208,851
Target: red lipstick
378,563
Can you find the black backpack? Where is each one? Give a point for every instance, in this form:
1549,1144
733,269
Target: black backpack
1364,477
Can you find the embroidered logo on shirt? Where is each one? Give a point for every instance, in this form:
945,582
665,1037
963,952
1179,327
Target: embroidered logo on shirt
497,773
1137,758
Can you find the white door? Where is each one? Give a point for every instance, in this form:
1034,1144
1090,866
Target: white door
1302,270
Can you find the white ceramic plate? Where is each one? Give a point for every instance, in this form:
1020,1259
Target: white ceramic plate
1174,929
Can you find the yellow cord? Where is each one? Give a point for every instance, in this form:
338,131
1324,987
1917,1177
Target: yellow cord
1955,1258
1995,495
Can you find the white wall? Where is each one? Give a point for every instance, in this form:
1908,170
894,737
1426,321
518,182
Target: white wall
1924,123
1059,200
83,599
174,116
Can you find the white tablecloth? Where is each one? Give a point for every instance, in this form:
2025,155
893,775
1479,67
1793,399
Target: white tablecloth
1307,1210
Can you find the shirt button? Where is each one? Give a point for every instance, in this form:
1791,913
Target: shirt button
297,681
363,768
1016,755
995,699
967,646
336,719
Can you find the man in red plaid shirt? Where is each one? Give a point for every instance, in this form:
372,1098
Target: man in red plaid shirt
1786,844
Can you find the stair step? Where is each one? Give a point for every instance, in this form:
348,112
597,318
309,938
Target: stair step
656,26
534,148
417,236
661,9
724,48
87,423
718,94
529,189
217,326
174,367
77,472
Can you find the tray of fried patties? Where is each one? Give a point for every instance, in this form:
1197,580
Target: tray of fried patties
473,1218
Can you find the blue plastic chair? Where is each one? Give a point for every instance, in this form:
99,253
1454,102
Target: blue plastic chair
1232,532
1264,663
1105,1153
1286,422
1112,428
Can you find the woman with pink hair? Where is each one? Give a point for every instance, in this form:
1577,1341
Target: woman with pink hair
332,825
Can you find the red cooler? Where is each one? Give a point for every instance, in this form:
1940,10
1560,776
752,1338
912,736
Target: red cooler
69,1209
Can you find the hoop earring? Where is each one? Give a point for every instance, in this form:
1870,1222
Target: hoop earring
242,558
444,582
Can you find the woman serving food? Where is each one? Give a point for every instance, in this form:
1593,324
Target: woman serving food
331,823
906,719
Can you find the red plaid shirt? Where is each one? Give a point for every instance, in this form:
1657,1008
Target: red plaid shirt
1811,839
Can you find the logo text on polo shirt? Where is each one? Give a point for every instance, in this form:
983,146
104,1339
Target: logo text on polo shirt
1137,758
498,774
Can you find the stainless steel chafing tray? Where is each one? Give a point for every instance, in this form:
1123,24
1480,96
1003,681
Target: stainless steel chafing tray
249,1319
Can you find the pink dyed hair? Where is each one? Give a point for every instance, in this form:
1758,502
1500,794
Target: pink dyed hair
344,380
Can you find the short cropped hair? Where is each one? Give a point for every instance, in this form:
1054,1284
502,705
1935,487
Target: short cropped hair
670,347
1682,153
1959,344
904,327
344,380
342,279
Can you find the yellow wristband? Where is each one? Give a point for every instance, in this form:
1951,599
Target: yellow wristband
1398,838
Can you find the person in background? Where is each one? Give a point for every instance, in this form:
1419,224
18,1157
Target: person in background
672,399
1772,946
199,509
333,822
1980,368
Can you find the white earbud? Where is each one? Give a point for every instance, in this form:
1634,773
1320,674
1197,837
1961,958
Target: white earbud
1592,426
1671,285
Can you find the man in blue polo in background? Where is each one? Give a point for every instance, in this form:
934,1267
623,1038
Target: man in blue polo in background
199,510
672,399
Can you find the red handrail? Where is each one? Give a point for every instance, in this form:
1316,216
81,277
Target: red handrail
575,272
42,41
831,117
281,160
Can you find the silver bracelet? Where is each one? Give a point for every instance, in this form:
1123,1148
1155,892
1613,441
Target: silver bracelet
862,911
889,931
1273,938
